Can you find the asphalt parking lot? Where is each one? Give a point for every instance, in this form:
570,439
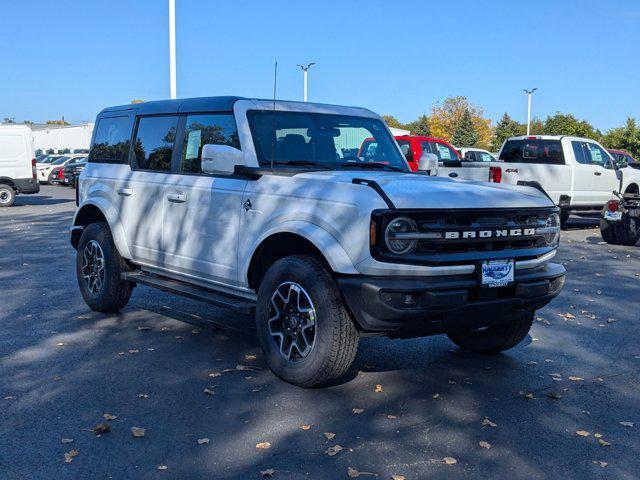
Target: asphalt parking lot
562,405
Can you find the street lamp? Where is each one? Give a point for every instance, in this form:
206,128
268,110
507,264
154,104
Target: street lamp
172,49
305,70
529,93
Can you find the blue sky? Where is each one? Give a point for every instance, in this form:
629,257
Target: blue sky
73,58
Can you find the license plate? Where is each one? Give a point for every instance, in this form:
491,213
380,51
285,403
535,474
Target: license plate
613,216
497,273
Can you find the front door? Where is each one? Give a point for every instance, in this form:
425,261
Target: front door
201,213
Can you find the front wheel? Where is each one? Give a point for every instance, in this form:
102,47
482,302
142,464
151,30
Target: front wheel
305,332
98,268
7,195
496,338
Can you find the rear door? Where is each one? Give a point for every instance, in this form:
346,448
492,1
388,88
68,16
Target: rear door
597,176
201,212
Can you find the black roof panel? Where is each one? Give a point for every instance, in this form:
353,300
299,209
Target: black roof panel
200,104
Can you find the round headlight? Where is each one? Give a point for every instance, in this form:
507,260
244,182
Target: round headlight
551,228
393,235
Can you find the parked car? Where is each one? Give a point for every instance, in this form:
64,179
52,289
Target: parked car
623,157
44,171
47,160
449,162
476,155
72,169
255,206
575,172
17,163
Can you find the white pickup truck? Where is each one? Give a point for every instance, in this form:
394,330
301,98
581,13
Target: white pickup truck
575,172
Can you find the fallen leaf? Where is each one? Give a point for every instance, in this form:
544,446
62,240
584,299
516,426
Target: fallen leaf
626,424
162,467
484,444
203,441
600,463
488,423
554,395
378,388
597,435
268,473
331,451
66,440
529,396
134,350
101,428
108,416
567,316
195,331
449,460
391,417
60,344
138,432
329,435
435,395
263,445
582,433
576,379
69,456
353,473
603,443
143,395
209,391
305,427
397,477
357,411
249,357
215,374
143,328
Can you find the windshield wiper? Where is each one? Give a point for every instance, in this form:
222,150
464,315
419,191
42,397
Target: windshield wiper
304,163
373,165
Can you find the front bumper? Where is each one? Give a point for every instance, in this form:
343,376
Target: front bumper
444,304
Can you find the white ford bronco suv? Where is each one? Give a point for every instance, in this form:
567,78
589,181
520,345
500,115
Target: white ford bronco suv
265,207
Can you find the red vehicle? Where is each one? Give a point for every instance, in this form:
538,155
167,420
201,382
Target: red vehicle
414,145
622,157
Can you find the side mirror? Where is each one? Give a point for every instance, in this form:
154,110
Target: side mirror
220,159
428,163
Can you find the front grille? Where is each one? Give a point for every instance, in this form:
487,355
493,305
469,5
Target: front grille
467,234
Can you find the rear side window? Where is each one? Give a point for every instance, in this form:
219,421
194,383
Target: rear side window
405,146
206,129
533,151
111,141
154,141
444,153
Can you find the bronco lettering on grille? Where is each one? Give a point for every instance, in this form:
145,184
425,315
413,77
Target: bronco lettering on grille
503,233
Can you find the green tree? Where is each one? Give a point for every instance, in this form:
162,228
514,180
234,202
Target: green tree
567,124
393,122
137,100
420,126
465,134
626,137
9,120
446,116
505,128
57,122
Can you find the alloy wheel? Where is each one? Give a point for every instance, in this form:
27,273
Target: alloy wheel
292,321
93,266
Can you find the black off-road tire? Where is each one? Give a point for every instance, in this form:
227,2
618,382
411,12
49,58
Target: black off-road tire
608,232
114,293
496,338
336,338
627,230
7,195
564,218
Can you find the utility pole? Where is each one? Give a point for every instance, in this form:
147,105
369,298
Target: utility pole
172,49
305,71
529,93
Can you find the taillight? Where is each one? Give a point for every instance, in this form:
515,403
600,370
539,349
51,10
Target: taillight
613,206
495,174
34,170
60,173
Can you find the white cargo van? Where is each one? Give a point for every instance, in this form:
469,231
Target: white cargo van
17,163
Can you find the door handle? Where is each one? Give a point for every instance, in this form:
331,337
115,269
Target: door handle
177,197
597,173
453,174
125,192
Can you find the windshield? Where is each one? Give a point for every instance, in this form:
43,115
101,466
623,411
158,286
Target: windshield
325,140
532,150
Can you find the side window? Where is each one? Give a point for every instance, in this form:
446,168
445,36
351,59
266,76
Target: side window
485,157
206,129
406,150
578,151
111,141
470,157
597,154
154,140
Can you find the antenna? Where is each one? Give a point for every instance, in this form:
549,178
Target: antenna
273,114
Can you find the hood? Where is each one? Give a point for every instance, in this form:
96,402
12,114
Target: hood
421,191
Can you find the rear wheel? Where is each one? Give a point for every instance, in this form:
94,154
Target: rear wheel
627,230
305,332
7,195
496,338
608,232
98,268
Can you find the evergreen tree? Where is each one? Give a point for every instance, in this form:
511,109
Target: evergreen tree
505,128
420,126
465,134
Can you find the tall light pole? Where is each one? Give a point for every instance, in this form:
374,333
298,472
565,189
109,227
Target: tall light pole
305,71
529,93
172,48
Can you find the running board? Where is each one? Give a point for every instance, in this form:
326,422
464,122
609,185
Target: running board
188,290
